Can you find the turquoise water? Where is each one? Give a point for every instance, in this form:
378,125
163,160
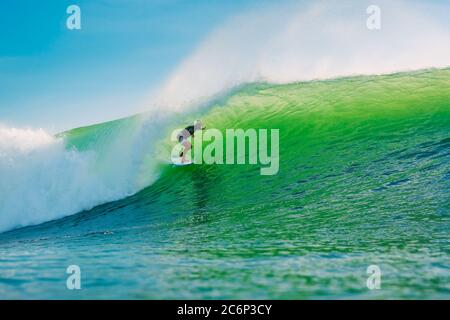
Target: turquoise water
364,180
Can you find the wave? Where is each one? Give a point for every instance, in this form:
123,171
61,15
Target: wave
47,177
309,41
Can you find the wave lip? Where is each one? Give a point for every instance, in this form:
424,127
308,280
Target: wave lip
310,41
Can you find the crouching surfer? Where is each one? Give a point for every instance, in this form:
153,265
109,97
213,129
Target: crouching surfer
183,138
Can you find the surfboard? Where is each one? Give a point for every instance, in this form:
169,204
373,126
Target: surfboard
177,162
182,164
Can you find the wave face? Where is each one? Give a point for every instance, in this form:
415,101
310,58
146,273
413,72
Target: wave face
364,179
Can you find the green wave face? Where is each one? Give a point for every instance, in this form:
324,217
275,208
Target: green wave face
363,180
343,138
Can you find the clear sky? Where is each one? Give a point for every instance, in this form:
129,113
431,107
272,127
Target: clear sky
57,78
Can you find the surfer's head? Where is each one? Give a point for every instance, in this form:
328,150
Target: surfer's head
198,125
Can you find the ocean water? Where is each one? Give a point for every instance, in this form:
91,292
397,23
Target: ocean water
364,180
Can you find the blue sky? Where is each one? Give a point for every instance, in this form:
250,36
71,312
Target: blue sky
56,78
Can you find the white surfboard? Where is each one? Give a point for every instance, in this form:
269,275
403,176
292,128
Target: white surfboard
177,162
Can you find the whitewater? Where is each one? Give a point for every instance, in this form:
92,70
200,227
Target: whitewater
363,179
46,177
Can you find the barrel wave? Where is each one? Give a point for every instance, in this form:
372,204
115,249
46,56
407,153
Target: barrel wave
363,180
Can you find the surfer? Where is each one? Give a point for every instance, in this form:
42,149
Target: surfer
184,135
